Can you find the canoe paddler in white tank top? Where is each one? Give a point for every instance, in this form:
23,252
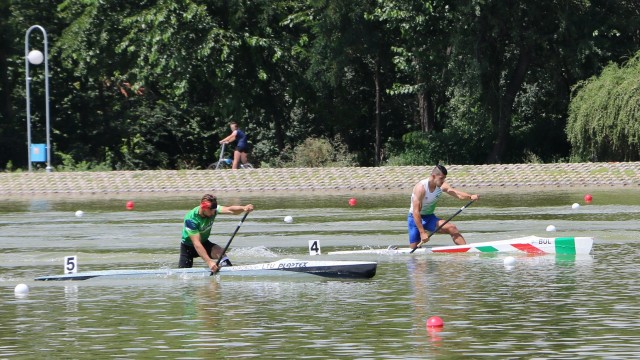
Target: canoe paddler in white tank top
421,220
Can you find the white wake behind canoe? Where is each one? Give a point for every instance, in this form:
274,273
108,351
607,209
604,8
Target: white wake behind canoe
529,244
285,267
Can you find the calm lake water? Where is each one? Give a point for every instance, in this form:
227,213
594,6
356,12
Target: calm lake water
546,307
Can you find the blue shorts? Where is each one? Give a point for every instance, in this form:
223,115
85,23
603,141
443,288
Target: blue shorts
429,223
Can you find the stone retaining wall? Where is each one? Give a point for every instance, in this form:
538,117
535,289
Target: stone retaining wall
387,178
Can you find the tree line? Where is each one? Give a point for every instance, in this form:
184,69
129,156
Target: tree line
153,84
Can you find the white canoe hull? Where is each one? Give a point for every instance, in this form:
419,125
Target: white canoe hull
529,244
285,267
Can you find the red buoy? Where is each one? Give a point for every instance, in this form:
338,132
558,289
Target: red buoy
434,321
353,202
588,198
130,205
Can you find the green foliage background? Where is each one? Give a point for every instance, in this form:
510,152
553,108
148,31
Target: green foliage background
153,84
604,117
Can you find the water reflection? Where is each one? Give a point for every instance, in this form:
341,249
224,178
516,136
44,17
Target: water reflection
39,205
545,306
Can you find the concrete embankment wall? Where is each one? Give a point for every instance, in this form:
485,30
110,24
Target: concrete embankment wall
339,180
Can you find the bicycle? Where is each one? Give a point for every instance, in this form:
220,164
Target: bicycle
226,162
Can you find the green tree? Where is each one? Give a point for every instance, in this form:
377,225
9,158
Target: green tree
520,44
444,121
15,19
349,67
153,84
514,64
604,115
421,53
168,76
7,83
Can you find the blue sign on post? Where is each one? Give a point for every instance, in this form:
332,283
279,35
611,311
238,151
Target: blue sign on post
38,153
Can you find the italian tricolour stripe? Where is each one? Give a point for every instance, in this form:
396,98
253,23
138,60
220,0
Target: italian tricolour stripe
530,244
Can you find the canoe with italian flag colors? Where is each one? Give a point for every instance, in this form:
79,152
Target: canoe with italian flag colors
528,244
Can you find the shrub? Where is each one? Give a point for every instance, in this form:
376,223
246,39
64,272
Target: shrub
320,152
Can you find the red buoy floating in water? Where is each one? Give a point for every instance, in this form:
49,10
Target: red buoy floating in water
353,202
130,205
588,198
434,321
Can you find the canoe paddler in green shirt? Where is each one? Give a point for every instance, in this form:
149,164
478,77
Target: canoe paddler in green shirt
197,229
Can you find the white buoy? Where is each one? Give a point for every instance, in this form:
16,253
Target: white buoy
575,206
288,219
551,228
509,261
79,213
21,289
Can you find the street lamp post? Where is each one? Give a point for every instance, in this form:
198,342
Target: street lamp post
35,57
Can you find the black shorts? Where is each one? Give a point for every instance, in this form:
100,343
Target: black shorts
188,253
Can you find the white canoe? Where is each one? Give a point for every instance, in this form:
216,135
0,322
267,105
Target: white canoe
529,244
329,269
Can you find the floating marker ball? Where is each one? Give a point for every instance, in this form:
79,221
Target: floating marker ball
79,213
588,198
509,261
575,206
288,219
551,228
434,321
353,202
21,289
130,205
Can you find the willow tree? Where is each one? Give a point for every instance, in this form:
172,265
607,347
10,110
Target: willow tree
604,115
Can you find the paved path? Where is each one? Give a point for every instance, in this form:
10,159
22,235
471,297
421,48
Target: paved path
339,180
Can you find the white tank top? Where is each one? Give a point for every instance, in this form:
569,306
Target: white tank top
429,201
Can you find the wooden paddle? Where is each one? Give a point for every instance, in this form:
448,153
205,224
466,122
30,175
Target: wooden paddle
443,224
229,242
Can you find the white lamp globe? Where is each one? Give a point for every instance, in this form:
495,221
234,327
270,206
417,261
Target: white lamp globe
35,57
